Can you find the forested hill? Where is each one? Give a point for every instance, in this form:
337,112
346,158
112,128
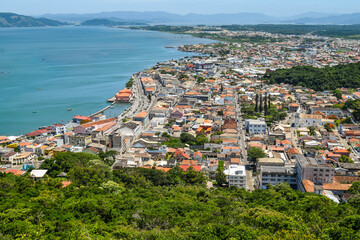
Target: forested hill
319,79
144,203
15,20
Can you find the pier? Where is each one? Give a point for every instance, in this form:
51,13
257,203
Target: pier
102,110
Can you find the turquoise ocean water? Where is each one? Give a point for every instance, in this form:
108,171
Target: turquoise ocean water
45,71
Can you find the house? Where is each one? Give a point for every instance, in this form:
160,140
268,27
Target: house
180,155
93,126
306,120
315,170
38,174
198,156
24,157
59,129
328,111
79,118
229,123
293,107
272,162
142,117
276,174
124,95
80,140
8,158
236,176
227,149
176,114
255,126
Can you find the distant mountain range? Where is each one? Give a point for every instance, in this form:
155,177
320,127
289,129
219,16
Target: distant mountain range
15,20
119,18
212,19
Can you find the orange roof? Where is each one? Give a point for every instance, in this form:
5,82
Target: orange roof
123,94
189,162
308,185
336,186
150,89
2,138
198,154
293,151
81,117
125,91
143,114
15,172
65,184
106,127
285,142
23,144
176,128
91,124
341,151
231,148
163,169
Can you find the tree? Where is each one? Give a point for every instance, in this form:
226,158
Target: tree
329,127
254,154
345,159
355,188
165,135
257,103
269,98
312,130
337,93
265,105
261,104
220,175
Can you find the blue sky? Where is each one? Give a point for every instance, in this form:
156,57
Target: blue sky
269,7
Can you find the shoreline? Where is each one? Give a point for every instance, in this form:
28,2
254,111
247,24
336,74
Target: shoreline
118,110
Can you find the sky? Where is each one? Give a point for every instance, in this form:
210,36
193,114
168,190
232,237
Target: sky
269,7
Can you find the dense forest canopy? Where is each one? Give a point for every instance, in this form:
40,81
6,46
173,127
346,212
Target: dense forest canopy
150,204
319,79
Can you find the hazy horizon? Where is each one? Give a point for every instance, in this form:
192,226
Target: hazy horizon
269,7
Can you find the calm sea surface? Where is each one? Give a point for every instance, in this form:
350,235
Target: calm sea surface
45,71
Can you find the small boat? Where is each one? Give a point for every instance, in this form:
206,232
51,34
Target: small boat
69,109
34,111
38,88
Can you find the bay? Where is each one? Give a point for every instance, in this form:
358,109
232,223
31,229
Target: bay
45,71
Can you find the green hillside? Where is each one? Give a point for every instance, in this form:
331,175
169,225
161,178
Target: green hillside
319,79
15,20
150,204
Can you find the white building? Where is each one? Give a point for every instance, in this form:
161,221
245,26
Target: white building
306,120
59,129
276,174
236,176
255,126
